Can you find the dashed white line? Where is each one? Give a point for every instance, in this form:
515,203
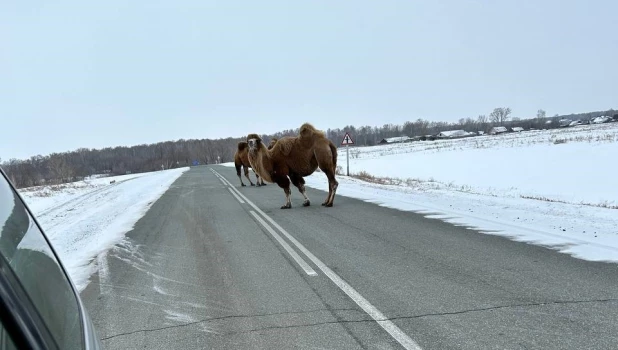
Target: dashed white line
236,196
372,311
303,264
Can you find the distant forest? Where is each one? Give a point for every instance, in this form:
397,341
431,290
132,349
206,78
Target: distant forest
58,168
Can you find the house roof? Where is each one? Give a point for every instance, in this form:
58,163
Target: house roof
499,128
517,128
396,139
453,133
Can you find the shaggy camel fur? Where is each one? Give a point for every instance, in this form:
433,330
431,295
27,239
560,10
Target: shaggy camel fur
295,157
272,142
241,159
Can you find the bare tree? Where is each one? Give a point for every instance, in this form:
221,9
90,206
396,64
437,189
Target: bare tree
482,123
422,126
59,168
500,115
540,117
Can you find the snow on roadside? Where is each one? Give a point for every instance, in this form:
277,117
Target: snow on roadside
585,232
83,220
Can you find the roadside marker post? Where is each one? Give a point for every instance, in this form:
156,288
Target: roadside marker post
347,141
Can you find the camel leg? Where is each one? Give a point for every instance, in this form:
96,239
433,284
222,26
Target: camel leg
240,177
258,180
327,161
247,175
299,182
262,183
284,183
332,187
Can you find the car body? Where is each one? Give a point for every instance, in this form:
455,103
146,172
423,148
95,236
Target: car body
40,308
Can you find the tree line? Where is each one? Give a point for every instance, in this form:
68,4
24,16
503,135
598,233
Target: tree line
76,165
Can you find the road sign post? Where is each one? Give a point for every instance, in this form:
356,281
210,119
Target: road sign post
347,158
347,141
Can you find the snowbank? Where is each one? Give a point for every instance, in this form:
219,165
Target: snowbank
86,218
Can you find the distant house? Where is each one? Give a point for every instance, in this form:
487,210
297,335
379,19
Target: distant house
600,120
481,132
565,122
395,140
497,130
453,134
517,129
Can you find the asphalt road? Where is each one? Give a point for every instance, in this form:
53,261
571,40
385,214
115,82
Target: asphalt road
204,270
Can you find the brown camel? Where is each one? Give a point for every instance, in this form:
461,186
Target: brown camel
241,159
295,157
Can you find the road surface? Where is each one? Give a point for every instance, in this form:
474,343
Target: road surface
208,267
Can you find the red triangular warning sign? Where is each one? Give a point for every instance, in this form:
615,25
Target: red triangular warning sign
347,140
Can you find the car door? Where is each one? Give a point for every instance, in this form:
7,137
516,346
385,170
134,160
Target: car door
40,307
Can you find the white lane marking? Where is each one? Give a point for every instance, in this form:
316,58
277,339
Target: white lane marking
104,285
364,304
218,176
308,270
236,196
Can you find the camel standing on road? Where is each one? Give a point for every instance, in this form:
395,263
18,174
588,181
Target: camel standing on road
295,157
241,159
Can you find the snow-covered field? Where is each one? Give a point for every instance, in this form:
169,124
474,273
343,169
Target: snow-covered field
554,188
84,219
528,164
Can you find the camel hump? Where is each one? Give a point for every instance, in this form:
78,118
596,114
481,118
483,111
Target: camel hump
272,143
307,130
242,145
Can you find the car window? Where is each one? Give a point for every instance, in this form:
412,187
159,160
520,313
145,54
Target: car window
30,257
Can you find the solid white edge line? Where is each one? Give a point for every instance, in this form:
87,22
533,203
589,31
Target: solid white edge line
303,264
371,310
236,196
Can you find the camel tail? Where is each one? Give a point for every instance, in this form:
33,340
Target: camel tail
333,150
242,145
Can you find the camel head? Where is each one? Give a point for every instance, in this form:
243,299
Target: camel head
254,141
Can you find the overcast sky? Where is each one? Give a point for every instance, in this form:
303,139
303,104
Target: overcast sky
77,73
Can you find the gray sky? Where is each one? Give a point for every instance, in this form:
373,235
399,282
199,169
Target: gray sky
95,74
